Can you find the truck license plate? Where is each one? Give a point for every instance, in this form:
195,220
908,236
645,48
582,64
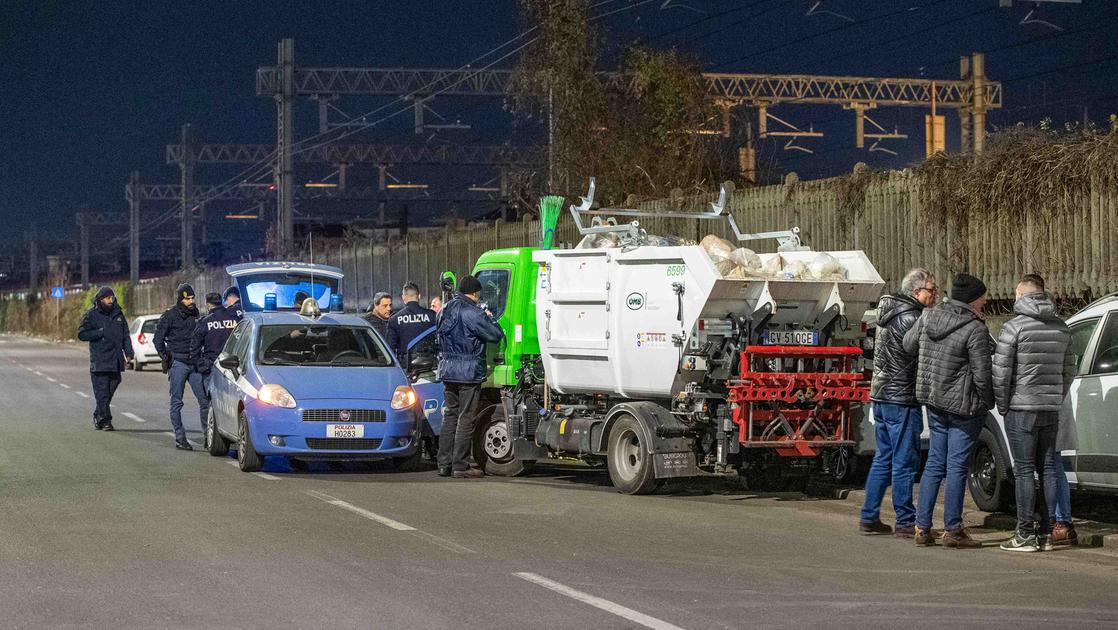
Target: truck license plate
345,430
790,338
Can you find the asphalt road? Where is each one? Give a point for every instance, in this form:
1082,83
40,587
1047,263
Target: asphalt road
120,530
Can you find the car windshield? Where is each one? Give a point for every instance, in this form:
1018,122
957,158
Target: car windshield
352,346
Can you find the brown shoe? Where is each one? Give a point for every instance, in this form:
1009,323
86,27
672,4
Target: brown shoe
959,539
904,532
469,473
1063,535
875,528
924,537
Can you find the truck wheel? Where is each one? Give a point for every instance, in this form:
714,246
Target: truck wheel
247,458
986,476
492,449
630,464
848,468
216,445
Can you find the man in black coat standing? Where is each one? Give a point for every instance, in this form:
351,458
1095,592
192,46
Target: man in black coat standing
110,351
172,341
210,334
232,299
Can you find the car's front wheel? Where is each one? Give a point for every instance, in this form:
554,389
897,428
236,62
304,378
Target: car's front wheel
216,444
247,457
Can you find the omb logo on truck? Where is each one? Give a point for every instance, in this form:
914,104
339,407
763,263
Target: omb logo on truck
635,301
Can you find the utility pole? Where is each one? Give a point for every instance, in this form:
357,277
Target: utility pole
83,229
132,192
187,167
978,112
285,139
965,119
33,256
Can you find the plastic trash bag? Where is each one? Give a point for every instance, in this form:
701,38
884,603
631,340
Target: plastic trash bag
719,251
746,258
824,267
794,270
773,266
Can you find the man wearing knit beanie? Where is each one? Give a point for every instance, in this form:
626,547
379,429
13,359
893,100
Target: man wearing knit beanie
173,336
953,379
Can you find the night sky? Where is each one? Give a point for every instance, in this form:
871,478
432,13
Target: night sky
91,91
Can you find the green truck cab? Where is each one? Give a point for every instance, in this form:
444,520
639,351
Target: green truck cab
508,289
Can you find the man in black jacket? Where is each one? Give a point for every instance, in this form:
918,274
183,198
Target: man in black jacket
110,351
953,378
896,414
210,334
411,330
380,310
173,334
232,300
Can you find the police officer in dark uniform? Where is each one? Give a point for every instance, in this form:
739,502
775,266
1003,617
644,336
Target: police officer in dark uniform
411,330
210,333
232,299
173,335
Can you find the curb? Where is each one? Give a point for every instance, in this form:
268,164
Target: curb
1093,534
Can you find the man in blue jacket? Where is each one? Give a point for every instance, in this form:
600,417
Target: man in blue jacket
411,330
463,331
106,330
232,300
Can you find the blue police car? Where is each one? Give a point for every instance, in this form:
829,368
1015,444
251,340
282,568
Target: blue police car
299,378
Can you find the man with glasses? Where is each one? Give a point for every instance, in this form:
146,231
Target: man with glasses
896,413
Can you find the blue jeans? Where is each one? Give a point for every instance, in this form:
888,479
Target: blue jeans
952,440
897,431
1032,441
1062,513
180,374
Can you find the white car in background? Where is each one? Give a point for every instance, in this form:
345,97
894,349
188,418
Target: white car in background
142,332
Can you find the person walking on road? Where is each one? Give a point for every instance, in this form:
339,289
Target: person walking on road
953,378
380,309
897,417
110,352
173,336
411,330
1033,369
463,331
210,334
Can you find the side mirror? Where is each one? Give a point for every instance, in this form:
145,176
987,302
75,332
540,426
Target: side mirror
230,363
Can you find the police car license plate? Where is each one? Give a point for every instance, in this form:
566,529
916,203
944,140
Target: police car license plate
345,430
790,338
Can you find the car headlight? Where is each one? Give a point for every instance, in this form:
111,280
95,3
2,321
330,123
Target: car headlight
276,395
404,397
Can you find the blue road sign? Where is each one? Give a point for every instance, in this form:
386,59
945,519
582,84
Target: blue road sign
57,293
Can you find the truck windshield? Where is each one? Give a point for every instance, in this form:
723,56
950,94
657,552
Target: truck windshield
494,289
320,346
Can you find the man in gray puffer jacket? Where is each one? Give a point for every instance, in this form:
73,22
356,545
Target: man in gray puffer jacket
953,379
1033,370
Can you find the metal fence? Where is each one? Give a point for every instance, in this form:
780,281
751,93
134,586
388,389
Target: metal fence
1074,247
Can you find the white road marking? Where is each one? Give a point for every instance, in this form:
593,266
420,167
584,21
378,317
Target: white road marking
82,394
188,440
51,380
64,386
259,474
28,369
37,372
598,602
129,414
383,520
